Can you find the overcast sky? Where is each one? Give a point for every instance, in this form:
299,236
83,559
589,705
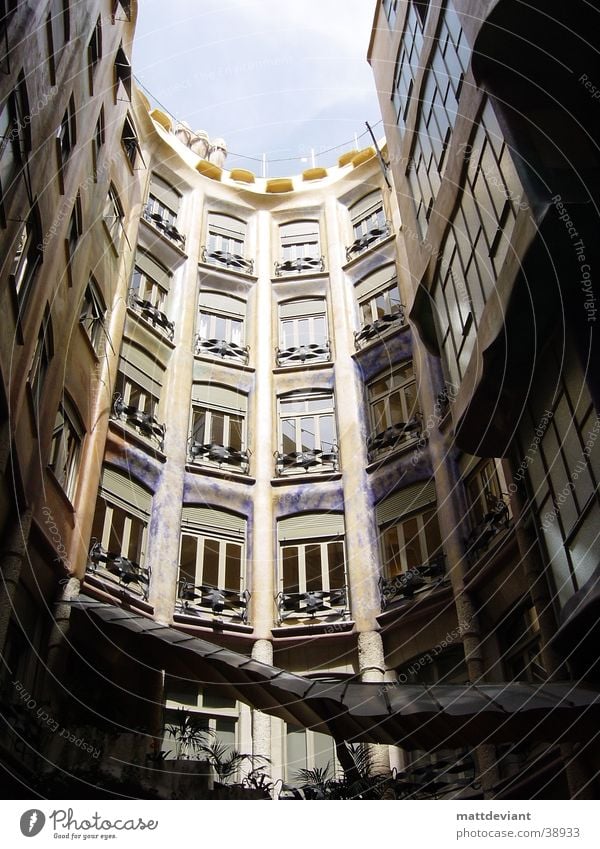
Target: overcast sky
268,76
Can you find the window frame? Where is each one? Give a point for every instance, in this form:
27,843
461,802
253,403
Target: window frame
17,138
66,135
93,310
40,362
321,447
27,259
66,447
113,211
95,51
398,389
53,28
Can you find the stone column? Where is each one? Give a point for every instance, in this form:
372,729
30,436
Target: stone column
262,650
11,562
56,690
371,662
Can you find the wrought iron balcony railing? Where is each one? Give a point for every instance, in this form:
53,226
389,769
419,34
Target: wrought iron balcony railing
165,227
130,575
406,583
143,422
214,453
193,600
313,604
315,353
380,327
222,348
308,461
297,266
497,519
394,436
375,234
229,260
151,314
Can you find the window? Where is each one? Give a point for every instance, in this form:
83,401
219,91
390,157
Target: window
422,7
130,142
15,137
138,390
307,437
380,309
300,248
196,716
65,137
113,218
225,243
312,570
390,7
307,749
144,286
98,140
134,395
122,6
211,562
303,332
43,352
518,635
221,326
410,541
393,409
218,434
120,533
162,209
66,447
369,224
27,258
58,26
91,316
95,50
407,65
75,227
484,490
123,73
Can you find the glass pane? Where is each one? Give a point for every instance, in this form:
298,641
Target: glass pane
410,395
287,334
136,534
217,428
295,752
323,751
307,433
412,545
235,432
366,316
319,336
233,564
288,436
236,331
584,549
198,426
335,551
220,327
204,325
312,557
380,418
210,565
225,731
115,541
289,563
391,553
187,558
396,408
135,395
303,331
315,405
327,430
136,281
380,306
213,699
98,523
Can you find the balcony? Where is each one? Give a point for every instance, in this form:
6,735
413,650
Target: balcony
394,437
405,584
315,604
145,423
194,600
315,353
222,348
376,234
494,522
165,226
308,461
380,327
213,453
119,570
297,266
151,314
228,260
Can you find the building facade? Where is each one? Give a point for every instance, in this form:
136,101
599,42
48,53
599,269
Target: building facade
269,415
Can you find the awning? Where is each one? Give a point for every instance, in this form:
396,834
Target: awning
414,716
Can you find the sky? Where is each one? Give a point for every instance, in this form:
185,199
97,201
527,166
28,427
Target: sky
271,77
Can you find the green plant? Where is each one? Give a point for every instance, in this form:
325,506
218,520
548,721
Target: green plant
190,735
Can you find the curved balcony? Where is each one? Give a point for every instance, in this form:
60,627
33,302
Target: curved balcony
394,436
215,454
145,423
307,461
222,348
165,226
376,234
313,604
405,584
315,353
494,522
380,327
297,266
151,314
119,570
228,260
193,600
